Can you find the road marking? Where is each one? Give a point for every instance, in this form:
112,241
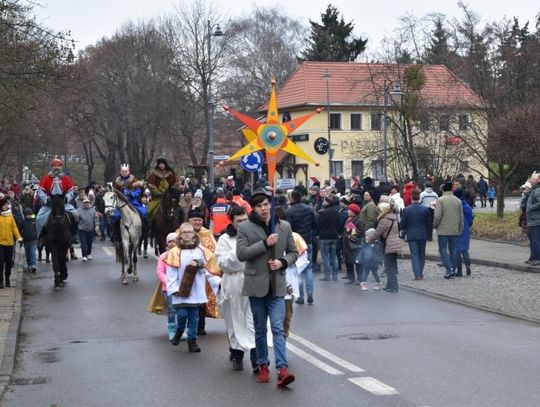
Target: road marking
109,251
313,360
373,386
336,359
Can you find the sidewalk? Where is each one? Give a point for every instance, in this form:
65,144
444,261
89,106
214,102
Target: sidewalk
500,282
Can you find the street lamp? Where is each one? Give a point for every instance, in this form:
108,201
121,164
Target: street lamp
326,77
210,104
396,91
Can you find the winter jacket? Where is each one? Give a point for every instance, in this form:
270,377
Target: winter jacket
369,215
448,217
251,248
8,229
87,219
328,223
387,230
29,230
533,207
302,220
427,197
482,186
415,222
350,254
465,237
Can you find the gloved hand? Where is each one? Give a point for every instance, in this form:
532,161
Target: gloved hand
20,243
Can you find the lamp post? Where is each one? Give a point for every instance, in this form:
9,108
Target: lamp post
69,58
210,104
395,92
326,77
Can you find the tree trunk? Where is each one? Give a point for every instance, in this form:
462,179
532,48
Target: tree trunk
501,193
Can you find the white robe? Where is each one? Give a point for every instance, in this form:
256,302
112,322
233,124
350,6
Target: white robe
175,274
234,306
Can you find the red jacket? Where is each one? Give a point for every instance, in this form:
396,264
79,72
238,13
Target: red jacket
65,182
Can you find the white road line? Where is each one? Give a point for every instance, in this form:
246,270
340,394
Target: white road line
336,359
109,251
313,360
373,386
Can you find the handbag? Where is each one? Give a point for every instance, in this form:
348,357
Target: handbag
187,280
157,304
355,241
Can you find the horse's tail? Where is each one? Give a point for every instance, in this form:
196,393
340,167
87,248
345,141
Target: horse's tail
119,252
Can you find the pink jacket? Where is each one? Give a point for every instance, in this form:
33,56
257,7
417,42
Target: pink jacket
161,270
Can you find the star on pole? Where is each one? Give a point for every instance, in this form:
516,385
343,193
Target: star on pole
271,136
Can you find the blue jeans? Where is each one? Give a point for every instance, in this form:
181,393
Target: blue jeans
191,315
329,257
418,256
307,275
30,250
447,250
86,239
103,227
171,312
262,309
535,242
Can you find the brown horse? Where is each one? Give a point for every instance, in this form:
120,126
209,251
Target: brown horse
167,218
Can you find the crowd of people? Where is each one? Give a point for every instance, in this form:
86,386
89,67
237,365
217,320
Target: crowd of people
249,254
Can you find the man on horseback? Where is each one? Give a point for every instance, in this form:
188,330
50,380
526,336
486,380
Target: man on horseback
132,190
56,182
160,180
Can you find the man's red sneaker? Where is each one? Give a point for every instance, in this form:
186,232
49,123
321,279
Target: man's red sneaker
284,377
264,375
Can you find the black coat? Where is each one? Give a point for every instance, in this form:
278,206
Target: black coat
328,223
302,220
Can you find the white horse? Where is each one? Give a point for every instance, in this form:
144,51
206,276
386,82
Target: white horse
130,232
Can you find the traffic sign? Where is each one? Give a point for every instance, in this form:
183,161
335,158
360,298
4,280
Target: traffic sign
252,162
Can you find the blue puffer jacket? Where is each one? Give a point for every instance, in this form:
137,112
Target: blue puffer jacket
468,218
302,220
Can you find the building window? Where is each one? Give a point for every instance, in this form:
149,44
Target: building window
425,124
357,169
377,169
463,122
444,122
376,121
335,121
356,121
336,168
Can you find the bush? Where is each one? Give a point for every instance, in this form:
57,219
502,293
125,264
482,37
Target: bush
488,226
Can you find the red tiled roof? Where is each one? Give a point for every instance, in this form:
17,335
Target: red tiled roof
361,84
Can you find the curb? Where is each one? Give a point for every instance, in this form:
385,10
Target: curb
12,337
483,262
469,304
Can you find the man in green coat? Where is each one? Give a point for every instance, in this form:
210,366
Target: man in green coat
267,246
448,220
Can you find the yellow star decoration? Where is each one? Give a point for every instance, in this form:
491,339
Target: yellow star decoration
270,136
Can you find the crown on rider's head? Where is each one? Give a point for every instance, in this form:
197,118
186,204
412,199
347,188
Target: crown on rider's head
124,166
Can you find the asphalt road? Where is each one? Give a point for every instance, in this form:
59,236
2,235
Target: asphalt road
94,345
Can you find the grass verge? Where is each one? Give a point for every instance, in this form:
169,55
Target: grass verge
488,226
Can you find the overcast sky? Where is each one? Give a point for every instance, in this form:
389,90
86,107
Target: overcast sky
90,20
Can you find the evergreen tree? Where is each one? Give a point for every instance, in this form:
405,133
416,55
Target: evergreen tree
331,40
438,51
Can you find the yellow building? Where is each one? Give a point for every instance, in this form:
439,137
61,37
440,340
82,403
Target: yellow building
354,94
